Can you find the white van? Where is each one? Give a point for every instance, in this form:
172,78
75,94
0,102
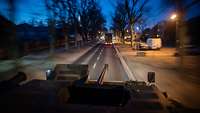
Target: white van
154,43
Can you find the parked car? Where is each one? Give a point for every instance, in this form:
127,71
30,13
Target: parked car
143,45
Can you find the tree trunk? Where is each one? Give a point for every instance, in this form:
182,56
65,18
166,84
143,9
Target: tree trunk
181,32
66,41
122,37
52,36
52,46
131,30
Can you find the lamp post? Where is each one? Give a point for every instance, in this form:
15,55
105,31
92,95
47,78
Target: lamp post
175,18
179,38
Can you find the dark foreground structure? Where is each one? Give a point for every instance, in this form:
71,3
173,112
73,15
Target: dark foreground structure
83,96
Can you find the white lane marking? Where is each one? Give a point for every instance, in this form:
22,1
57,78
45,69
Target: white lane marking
94,65
102,50
86,61
98,57
88,77
100,53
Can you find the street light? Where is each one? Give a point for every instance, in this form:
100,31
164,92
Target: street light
179,39
173,17
137,28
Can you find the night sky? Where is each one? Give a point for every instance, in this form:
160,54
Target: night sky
28,10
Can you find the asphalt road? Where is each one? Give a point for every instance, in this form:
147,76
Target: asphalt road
98,57
180,85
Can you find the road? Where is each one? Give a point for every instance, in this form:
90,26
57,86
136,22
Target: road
98,57
168,79
180,85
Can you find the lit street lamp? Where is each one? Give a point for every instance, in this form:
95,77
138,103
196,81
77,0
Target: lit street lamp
137,28
175,18
179,40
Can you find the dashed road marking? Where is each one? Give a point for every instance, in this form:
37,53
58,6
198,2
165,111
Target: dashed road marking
98,57
101,50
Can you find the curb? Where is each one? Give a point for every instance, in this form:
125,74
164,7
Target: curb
125,66
143,53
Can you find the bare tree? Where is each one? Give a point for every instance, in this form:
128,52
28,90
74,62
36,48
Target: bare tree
91,18
135,12
52,36
127,13
119,20
82,16
59,11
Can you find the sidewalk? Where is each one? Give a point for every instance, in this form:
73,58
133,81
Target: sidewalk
164,58
181,84
35,65
162,52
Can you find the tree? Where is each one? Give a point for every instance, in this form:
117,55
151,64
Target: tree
128,12
59,11
119,20
52,32
91,18
96,19
82,16
134,13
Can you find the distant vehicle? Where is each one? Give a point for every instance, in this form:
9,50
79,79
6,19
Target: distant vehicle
154,43
108,38
143,45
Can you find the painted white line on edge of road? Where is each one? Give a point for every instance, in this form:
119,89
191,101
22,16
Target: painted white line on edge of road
125,66
88,77
94,65
98,57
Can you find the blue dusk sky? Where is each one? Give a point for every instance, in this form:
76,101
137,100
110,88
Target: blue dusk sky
28,10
